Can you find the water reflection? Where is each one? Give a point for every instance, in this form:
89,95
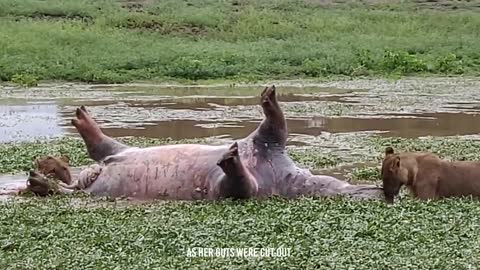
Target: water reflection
21,120
25,122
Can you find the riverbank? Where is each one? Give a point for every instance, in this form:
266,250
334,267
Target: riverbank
104,42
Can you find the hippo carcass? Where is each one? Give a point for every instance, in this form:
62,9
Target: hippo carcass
253,167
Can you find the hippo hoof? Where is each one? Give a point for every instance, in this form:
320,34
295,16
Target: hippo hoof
268,95
81,113
229,156
78,113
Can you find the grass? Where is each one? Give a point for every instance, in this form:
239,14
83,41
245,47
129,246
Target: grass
99,41
322,234
83,233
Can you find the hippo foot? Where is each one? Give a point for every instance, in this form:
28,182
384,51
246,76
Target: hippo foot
86,126
268,98
238,181
82,117
271,107
98,144
273,129
228,160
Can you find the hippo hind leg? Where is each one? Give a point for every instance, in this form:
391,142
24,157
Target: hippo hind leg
273,129
98,144
238,182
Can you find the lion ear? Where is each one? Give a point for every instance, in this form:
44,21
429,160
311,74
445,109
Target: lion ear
65,159
37,162
397,162
389,151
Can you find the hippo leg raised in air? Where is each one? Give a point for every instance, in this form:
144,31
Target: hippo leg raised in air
238,182
98,144
256,166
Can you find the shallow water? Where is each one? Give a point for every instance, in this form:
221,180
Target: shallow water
404,109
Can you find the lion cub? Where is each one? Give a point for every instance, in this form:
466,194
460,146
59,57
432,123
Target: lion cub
428,177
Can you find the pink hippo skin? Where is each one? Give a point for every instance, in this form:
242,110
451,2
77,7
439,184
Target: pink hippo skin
256,166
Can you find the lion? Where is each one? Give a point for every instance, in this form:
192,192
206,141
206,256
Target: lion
57,167
427,176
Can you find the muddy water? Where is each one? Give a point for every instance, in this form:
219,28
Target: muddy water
232,112
179,113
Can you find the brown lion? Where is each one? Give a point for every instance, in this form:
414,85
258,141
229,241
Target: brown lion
56,167
427,176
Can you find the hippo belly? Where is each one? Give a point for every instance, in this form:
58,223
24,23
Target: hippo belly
182,172
252,167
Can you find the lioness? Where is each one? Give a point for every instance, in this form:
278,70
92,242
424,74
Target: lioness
55,166
427,176
58,167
